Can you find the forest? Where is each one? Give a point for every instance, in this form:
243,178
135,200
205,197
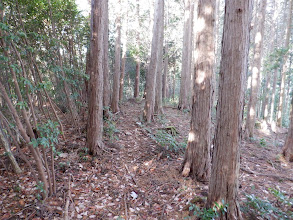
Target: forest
146,109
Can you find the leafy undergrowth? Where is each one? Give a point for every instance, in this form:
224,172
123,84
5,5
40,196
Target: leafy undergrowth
137,177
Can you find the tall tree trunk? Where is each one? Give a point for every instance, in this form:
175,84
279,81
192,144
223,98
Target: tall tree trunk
273,95
95,118
284,68
197,156
116,79
159,68
106,90
186,50
255,79
137,67
124,50
223,183
288,146
166,70
151,75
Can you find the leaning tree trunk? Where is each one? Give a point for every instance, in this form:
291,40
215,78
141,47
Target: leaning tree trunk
197,156
116,79
223,183
151,75
95,118
288,146
255,78
4,142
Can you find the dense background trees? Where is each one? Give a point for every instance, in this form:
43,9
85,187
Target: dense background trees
66,72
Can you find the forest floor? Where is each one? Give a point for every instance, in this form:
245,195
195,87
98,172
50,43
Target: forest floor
135,177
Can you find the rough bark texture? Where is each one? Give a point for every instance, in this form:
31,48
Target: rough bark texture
255,79
116,79
284,68
223,183
95,118
197,155
183,98
151,75
288,146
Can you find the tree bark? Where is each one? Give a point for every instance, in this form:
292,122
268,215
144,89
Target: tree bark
159,68
4,142
223,183
288,146
284,68
106,90
95,118
116,79
197,156
186,50
255,78
137,67
151,75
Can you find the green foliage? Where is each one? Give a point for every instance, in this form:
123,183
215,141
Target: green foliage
209,214
262,142
265,209
47,135
168,140
110,127
41,189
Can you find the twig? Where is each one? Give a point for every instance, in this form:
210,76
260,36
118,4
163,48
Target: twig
125,206
267,175
67,200
132,177
163,212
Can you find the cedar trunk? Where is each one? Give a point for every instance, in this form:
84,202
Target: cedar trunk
95,118
288,146
223,183
197,156
151,75
255,78
116,79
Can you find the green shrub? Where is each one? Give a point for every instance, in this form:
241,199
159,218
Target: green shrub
265,209
209,214
167,140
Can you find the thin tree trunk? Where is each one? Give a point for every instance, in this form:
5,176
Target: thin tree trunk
183,100
137,67
197,156
255,79
106,90
284,68
4,142
273,96
223,183
115,94
159,68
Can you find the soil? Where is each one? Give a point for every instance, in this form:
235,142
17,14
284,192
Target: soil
136,176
